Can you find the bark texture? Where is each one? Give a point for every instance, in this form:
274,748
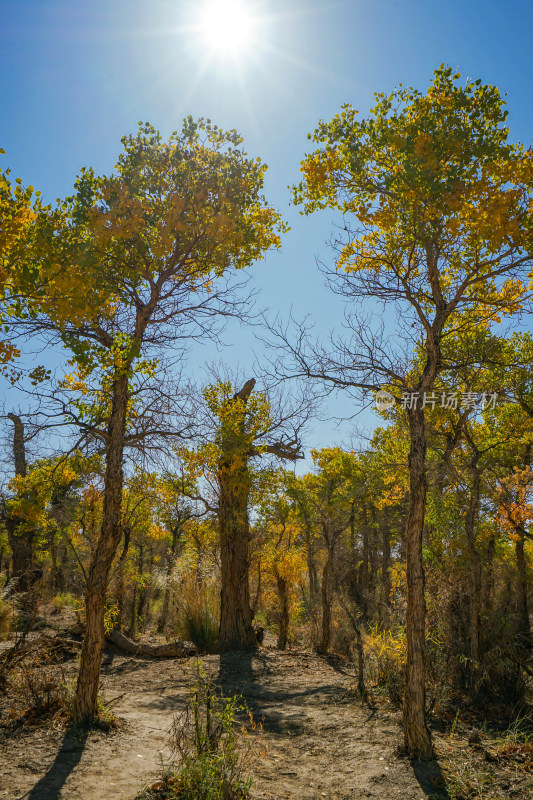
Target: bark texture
417,737
234,489
19,536
475,572
177,649
283,594
328,575
86,699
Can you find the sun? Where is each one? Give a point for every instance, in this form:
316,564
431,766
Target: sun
227,27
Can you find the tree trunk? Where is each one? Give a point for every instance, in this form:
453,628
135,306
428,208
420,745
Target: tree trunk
21,556
416,732
475,573
235,613
523,628
311,567
385,566
327,596
488,582
86,699
142,590
236,630
171,557
373,578
283,594
120,572
255,604
20,539
363,569
360,662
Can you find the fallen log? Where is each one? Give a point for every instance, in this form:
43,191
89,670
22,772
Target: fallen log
176,649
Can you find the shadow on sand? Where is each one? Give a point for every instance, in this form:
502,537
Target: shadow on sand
431,779
67,759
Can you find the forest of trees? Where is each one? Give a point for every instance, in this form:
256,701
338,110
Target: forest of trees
183,510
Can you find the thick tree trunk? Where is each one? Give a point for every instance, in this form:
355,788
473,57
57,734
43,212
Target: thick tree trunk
235,613
86,699
21,556
416,732
236,630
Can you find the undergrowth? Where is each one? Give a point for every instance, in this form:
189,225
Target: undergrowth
211,748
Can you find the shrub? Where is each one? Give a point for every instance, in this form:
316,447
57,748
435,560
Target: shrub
213,752
198,620
63,600
386,655
6,617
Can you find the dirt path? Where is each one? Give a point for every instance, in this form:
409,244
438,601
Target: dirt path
319,741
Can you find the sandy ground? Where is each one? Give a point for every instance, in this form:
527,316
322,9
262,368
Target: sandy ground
318,740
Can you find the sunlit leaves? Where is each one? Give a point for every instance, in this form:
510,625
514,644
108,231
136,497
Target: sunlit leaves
430,179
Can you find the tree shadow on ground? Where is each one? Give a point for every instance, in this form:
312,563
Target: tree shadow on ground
279,712
67,759
236,672
237,675
431,779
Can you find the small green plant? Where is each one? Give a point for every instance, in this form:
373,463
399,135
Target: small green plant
454,725
211,746
63,600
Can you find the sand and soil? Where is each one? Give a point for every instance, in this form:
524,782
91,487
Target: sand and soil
318,740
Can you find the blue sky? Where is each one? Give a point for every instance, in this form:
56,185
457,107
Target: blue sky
77,76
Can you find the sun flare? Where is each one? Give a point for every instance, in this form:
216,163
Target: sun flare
227,27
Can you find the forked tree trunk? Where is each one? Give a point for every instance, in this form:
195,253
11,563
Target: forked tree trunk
86,699
417,737
234,484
